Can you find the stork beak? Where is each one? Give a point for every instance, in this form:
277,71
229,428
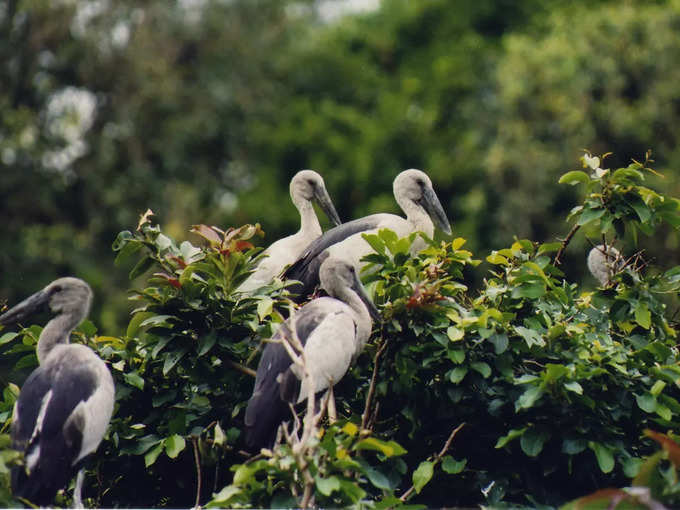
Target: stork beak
372,309
434,208
29,306
324,200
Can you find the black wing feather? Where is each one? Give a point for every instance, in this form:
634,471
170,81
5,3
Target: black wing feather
59,445
306,268
266,409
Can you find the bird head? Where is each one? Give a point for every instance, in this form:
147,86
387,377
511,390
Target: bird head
415,186
309,186
338,276
66,295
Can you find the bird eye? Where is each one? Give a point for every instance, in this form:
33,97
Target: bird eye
56,288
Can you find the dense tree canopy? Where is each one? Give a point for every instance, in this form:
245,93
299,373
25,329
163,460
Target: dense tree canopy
203,110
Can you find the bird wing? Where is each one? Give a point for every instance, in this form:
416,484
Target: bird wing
306,268
329,351
265,408
42,429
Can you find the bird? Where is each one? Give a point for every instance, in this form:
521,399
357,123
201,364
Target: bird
415,195
333,330
65,405
603,262
306,186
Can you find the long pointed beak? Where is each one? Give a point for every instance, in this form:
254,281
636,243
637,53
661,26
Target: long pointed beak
372,309
324,200
434,208
29,306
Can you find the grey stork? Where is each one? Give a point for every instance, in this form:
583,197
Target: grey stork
65,405
306,187
333,330
603,262
415,195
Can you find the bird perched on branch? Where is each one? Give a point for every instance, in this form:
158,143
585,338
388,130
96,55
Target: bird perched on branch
415,195
604,262
65,405
306,187
333,331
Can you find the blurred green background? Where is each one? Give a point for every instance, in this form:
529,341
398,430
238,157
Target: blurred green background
202,110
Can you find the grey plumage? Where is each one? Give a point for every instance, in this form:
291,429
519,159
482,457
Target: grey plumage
66,403
413,192
333,331
603,262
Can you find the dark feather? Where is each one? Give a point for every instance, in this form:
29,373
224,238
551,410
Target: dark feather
306,268
266,409
59,444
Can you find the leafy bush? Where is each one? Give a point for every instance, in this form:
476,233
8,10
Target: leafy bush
528,390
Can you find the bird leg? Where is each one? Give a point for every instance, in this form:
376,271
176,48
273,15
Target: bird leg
77,498
332,412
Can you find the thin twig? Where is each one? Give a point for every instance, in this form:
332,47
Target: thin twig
241,368
365,417
565,242
436,459
197,461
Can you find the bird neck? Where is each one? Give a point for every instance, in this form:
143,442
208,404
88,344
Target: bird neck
57,331
418,217
362,318
309,223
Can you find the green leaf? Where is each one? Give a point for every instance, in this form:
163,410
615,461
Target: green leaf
174,445
574,446
530,336
456,355
589,215
457,374
135,323
172,359
326,486
482,368
388,448
574,386
642,210
532,441
574,177
134,379
528,398
513,434
657,388
454,333
264,307
422,475
642,315
141,267
453,466
646,402
222,498
500,342
8,337
604,455
153,454
532,290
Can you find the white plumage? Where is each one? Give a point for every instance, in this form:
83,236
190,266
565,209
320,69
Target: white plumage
306,187
333,330
415,195
603,262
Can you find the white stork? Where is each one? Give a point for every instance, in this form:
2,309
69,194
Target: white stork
603,262
333,330
415,195
65,405
306,187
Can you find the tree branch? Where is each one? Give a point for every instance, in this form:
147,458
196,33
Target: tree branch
565,243
241,368
436,459
197,461
366,416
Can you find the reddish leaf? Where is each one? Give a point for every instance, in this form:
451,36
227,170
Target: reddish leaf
607,498
177,260
668,444
172,281
243,245
208,233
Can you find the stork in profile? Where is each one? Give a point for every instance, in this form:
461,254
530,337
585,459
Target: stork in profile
306,187
415,195
604,262
333,331
65,405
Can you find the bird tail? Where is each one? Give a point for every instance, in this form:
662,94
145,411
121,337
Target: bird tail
264,414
